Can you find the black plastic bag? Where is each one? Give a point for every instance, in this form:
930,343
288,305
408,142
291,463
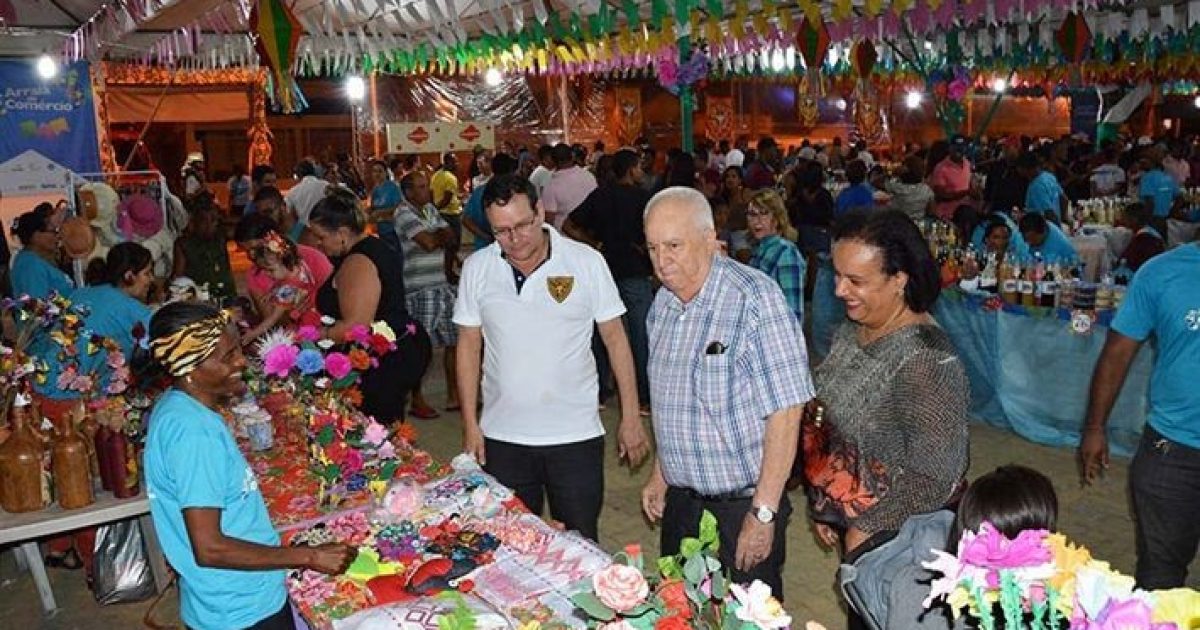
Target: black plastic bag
122,567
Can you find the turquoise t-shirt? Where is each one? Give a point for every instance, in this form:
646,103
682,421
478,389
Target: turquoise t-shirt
1057,248
384,196
1043,194
33,276
111,313
1161,189
475,211
192,461
1164,300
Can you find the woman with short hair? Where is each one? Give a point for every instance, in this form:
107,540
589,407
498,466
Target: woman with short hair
775,251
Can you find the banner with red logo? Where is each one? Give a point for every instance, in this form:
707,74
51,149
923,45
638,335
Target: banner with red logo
719,114
439,137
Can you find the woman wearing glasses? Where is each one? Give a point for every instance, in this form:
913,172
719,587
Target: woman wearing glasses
35,269
775,251
367,285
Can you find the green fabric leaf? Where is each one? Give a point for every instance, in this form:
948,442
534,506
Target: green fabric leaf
325,435
669,567
708,530
592,606
693,569
689,547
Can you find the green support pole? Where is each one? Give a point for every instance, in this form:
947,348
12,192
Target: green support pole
686,97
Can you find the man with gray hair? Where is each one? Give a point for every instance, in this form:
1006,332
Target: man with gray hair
728,379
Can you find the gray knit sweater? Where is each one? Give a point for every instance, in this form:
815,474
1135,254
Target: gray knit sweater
899,442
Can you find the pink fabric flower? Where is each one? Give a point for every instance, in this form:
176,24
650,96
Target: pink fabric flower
307,333
279,360
375,434
991,549
337,365
359,334
386,451
620,587
352,461
1117,615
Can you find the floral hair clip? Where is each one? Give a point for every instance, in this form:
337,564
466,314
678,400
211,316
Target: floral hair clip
276,244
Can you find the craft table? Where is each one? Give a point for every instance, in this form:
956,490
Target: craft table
26,528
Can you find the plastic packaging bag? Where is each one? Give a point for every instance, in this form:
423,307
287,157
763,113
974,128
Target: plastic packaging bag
122,566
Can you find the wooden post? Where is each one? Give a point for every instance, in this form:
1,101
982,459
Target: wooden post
375,140
565,106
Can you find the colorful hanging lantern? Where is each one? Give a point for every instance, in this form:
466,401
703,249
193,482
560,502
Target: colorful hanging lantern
1074,37
812,42
277,34
867,118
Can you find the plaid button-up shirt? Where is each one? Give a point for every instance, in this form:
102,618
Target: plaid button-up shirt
719,367
781,259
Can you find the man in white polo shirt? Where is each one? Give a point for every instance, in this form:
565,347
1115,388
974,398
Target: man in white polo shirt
534,296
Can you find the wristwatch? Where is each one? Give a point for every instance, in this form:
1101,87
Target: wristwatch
763,513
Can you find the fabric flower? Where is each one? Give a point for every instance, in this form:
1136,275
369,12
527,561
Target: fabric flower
352,461
993,550
673,622
338,365
620,587
386,451
759,607
375,434
380,344
1180,606
325,344
382,329
359,334
308,333
309,361
619,624
674,597
359,359
279,360
309,318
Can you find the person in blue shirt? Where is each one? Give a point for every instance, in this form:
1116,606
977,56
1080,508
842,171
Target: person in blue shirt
207,509
1047,239
998,234
34,269
475,218
859,194
1158,190
1164,302
1044,195
385,197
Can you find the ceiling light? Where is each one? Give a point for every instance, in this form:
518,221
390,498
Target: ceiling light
912,100
999,85
493,77
356,88
777,62
47,67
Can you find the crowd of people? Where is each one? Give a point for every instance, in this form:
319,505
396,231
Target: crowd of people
678,284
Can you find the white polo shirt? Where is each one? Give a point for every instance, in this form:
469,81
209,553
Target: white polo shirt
303,197
539,377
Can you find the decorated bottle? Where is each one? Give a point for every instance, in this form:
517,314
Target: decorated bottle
119,462
987,277
1010,289
21,456
72,476
1048,288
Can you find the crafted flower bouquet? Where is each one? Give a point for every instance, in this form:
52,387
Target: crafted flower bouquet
351,452
688,590
317,366
26,317
1040,581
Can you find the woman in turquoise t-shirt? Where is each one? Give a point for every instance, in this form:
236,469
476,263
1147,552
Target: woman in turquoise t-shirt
385,197
34,270
210,517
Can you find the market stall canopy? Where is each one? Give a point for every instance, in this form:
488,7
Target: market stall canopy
566,36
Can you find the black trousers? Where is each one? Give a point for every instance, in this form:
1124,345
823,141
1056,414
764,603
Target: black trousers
681,519
1164,479
571,476
281,620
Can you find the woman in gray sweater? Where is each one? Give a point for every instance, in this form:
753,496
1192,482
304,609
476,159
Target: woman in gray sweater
888,438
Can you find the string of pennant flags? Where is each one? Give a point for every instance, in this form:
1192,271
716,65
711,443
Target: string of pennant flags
739,38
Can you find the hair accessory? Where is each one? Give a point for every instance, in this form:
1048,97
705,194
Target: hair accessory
185,349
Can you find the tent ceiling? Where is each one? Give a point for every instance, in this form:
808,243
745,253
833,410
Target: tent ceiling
32,27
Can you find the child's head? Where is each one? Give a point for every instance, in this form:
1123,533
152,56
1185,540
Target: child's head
1012,498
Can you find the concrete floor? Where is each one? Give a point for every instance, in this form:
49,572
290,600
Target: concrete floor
1097,516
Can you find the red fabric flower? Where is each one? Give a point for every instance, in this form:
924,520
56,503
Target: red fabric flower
674,622
674,597
379,344
310,318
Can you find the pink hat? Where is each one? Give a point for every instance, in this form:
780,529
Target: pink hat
139,216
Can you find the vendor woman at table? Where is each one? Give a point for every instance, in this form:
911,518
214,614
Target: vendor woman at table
997,234
204,499
35,269
1047,239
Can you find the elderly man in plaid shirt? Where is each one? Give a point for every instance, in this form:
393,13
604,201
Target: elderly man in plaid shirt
728,380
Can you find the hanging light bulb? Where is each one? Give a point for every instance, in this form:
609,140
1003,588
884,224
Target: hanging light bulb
493,77
777,61
912,100
1196,102
999,85
790,56
356,88
840,104
47,67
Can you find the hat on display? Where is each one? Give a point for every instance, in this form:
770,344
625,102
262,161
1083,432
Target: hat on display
193,157
138,216
78,239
